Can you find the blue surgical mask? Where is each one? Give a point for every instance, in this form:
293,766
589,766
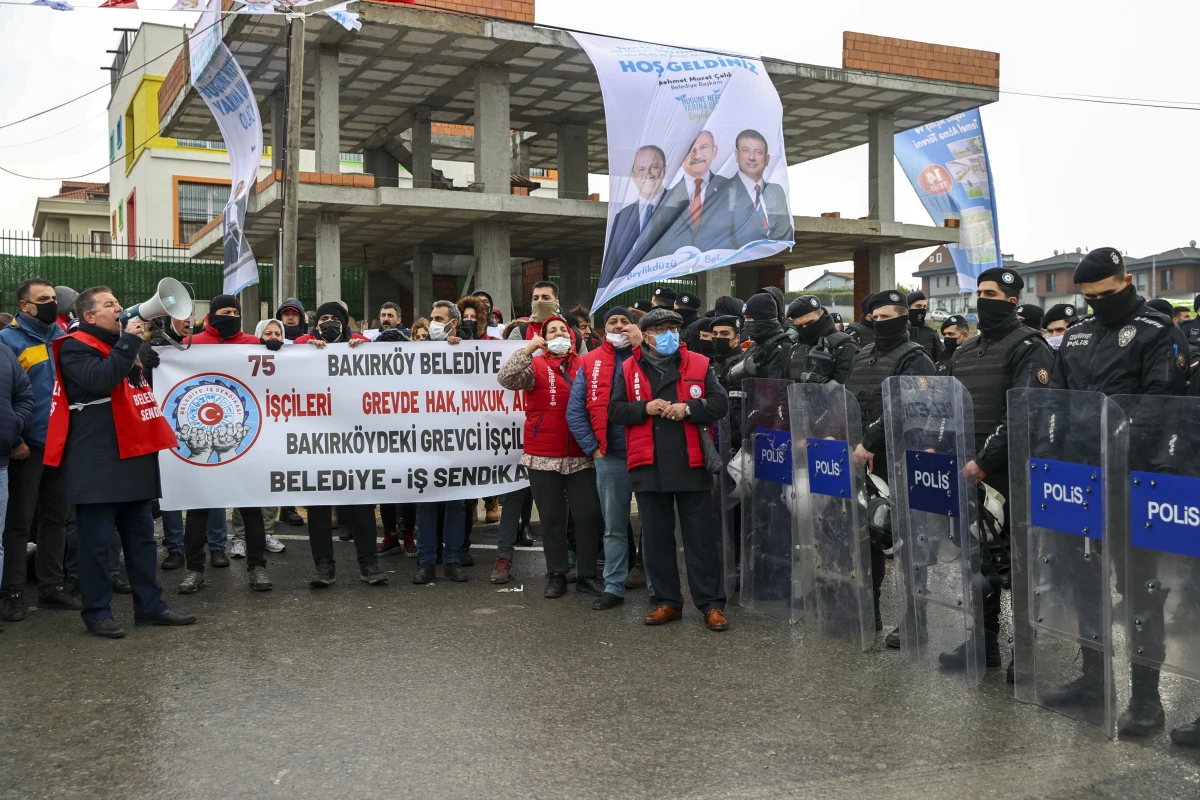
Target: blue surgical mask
666,343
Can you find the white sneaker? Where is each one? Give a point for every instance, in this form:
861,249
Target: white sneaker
237,548
274,545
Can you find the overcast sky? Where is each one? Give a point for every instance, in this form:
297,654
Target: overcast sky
1068,174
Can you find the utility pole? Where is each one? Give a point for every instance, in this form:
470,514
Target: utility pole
289,284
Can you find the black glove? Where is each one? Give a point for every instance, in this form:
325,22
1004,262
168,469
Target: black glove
149,356
391,335
273,344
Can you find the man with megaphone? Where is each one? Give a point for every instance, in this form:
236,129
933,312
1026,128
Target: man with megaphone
106,430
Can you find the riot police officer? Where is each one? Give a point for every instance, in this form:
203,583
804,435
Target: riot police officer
824,354
891,352
955,331
862,331
1030,315
1122,347
1191,328
1058,318
767,357
921,333
1006,355
727,351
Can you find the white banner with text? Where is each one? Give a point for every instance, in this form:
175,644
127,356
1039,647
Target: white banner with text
379,423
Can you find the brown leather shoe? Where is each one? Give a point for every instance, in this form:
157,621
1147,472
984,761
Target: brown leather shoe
714,618
662,615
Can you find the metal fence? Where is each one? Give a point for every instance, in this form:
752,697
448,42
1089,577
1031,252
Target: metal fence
133,270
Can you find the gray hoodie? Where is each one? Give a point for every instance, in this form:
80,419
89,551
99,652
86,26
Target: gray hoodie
292,302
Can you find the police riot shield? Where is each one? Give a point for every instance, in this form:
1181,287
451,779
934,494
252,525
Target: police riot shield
930,439
1154,499
831,513
1061,559
768,535
726,505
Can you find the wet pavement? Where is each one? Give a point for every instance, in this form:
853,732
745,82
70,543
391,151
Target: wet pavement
458,691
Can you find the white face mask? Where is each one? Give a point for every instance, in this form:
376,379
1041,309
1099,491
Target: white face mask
559,346
618,340
1055,341
439,331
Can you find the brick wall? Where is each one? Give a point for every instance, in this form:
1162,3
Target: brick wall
531,273
516,10
445,287
920,59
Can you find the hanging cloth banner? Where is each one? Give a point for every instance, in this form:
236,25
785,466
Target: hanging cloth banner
697,170
220,81
947,163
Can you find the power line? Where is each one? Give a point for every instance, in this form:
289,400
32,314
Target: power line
1109,102
56,133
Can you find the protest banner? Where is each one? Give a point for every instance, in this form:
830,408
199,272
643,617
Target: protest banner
379,423
947,163
697,169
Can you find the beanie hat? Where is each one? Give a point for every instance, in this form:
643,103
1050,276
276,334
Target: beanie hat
333,308
224,301
761,307
616,311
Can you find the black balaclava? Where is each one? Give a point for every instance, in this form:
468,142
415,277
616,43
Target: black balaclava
1115,309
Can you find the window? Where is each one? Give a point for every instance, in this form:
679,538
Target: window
1168,280
201,144
538,172
937,258
199,203
101,242
1051,282
1140,279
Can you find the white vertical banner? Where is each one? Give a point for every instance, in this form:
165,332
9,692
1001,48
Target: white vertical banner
228,94
697,169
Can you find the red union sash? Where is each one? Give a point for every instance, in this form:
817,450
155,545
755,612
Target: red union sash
141,427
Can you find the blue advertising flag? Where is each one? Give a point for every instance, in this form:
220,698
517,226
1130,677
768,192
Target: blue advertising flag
947,164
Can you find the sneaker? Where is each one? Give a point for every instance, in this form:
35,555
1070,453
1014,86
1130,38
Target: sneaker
237,548
58,600
12,607
219,559
324,577
410,545
391,544
503,571
192,583
636,579
372,574
259,581
274,545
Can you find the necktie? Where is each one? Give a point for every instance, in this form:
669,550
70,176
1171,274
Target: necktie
762,212
697,203
649,213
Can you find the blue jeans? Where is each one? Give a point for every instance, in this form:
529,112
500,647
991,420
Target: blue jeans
173,530
612,482
452,532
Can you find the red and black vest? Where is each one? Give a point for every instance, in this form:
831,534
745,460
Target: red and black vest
597,370
639,439
546,431
141,427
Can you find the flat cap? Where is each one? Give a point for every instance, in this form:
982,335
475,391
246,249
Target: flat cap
659,316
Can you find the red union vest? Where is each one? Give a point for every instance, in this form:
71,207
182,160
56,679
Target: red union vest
639,439
141,427
546,431
597,370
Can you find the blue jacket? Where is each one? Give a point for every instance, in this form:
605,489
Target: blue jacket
580,422
16,403
29,340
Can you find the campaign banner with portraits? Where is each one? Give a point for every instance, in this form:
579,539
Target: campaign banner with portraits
697,170
401,422
947,163
230,98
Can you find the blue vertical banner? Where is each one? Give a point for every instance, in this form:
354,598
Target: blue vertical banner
947,164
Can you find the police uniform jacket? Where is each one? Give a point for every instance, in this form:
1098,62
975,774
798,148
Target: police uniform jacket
928,338
871,368
841,346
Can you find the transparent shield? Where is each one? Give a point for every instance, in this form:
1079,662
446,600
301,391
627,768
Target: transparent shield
727,506
1062,561
1154,497
834,547
768,530
930,439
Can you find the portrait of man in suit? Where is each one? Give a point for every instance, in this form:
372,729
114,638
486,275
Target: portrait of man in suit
698,211
760,208
649,169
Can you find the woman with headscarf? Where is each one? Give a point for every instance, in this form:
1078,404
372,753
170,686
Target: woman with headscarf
560,472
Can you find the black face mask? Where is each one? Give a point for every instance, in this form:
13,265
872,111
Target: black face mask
46,312
705,347
810,333
291,332
951,345
916,316
1113,310
226,326
891,332
759,330
330,330
722,347
271,344
994,313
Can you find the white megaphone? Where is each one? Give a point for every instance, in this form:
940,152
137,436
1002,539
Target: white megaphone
170,300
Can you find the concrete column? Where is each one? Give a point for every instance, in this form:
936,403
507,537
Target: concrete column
881,192
379,162
326,114
251,312
278,128
712,284
422,149
574,275
520,150
493,150
494,272
329,257
572,161
422,272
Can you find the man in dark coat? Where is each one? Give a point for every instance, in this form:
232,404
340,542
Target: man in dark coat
16,409
109,492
